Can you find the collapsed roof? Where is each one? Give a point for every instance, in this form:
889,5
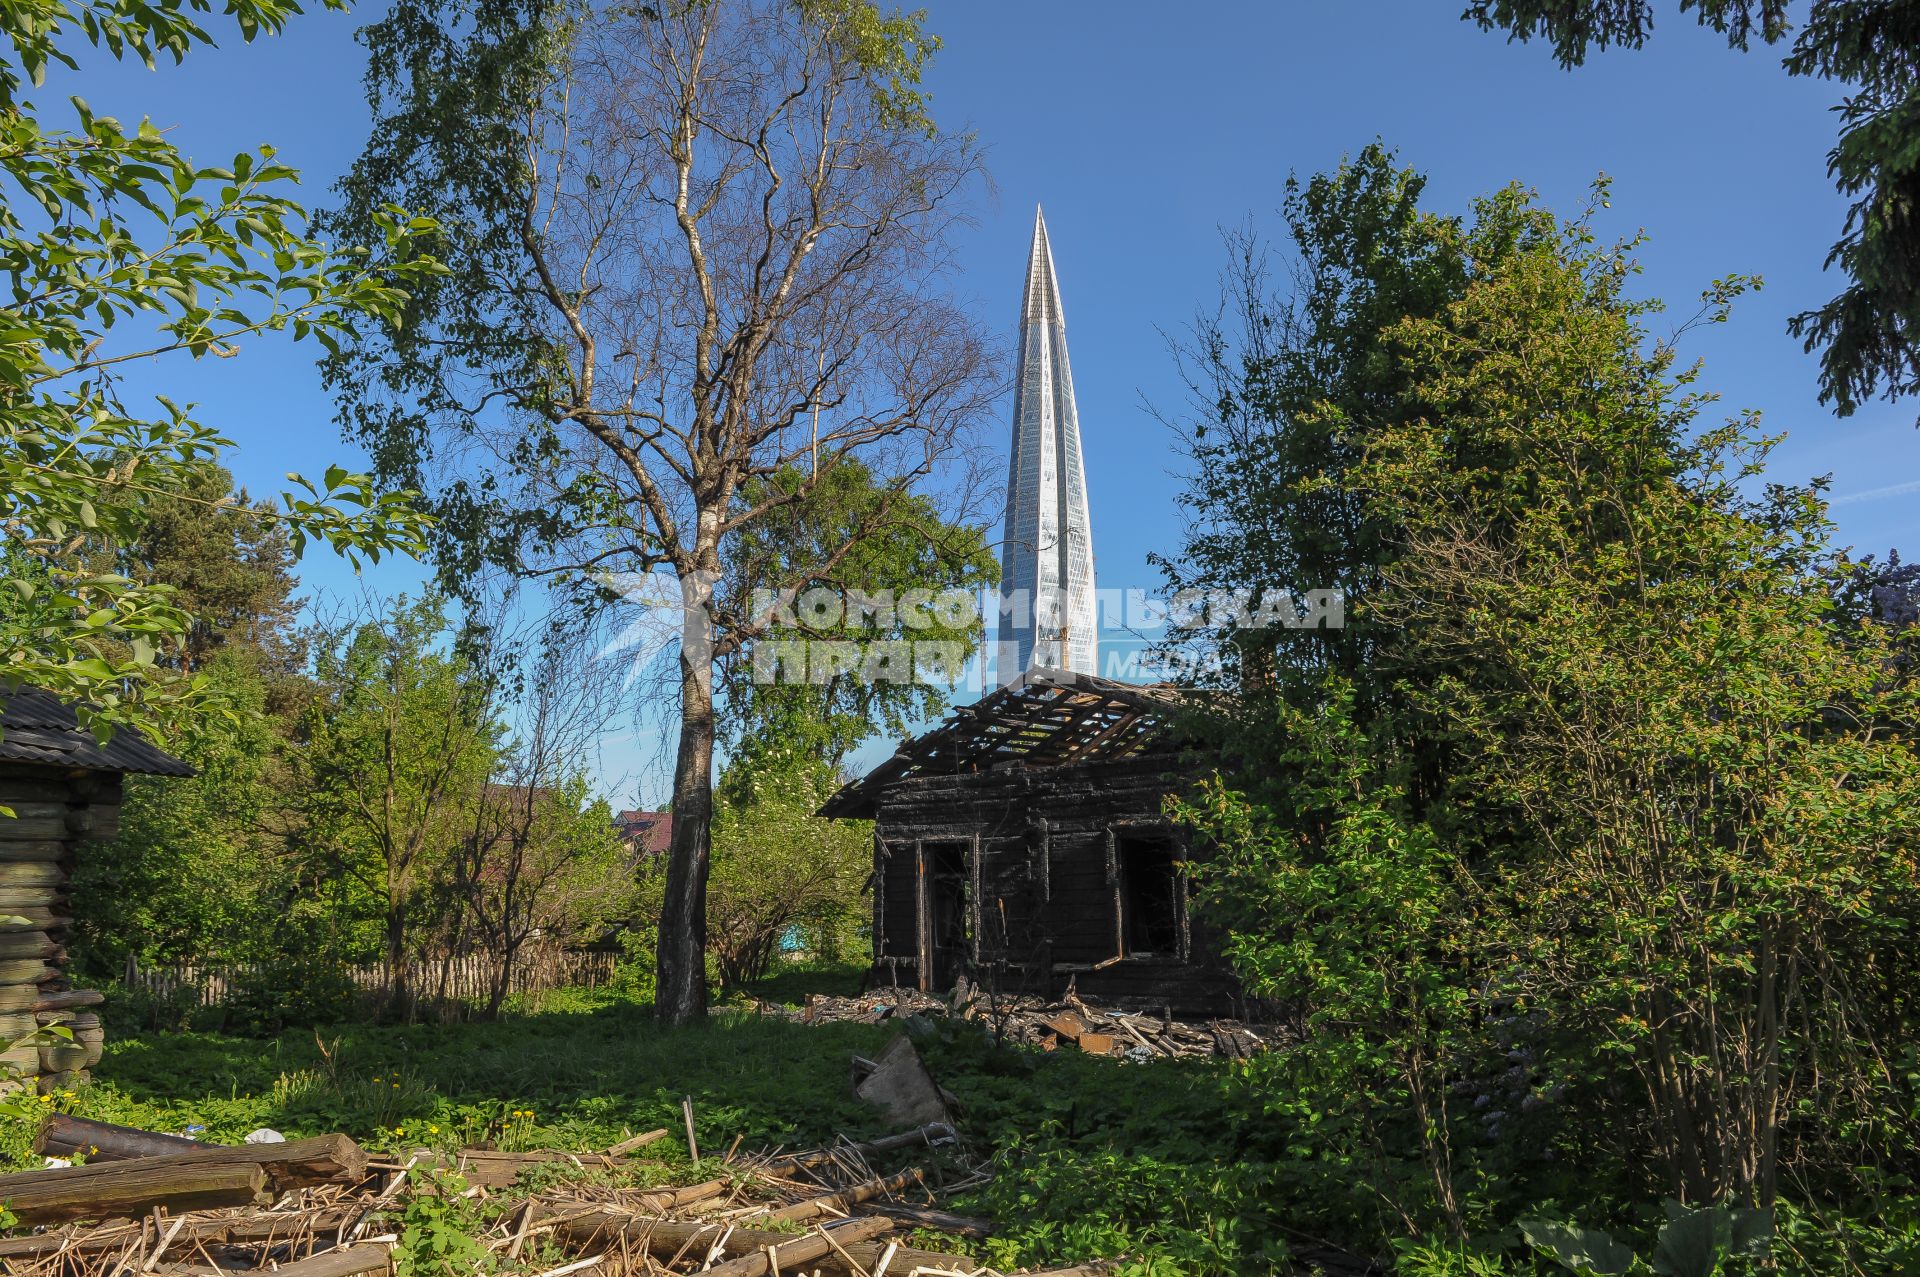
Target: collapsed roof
1046,718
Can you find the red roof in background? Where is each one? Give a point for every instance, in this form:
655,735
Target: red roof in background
646,832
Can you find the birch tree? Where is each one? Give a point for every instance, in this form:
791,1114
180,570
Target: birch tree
689,245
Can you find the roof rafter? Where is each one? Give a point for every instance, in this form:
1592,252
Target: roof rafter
1046,718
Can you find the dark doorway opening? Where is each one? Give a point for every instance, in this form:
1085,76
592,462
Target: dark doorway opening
1151,897
949,911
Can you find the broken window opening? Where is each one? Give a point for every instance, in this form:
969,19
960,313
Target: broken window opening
1152,896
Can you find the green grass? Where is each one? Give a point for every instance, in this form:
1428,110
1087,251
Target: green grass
1096,1156
792,985
1185,1166
586,1072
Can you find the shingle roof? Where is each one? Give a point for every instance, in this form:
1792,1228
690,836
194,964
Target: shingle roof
648,833
35,727
1046,718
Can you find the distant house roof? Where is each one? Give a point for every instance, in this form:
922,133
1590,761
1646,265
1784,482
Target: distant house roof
35,727
647,833
1046,718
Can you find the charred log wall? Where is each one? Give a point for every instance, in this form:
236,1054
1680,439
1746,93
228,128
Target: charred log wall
1053,888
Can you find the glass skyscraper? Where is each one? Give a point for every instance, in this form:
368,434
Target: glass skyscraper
1047,616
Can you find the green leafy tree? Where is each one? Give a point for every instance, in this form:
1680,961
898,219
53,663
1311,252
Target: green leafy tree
120,250
540,863
1709,805
779,871
901,549
1287,388
232,575
394,750
193,874
1869,335
540,859
693,245
1554,872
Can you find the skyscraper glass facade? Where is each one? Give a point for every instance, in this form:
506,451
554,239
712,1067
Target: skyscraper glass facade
1047,615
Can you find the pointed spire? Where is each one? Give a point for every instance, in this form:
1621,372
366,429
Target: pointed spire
1048,615
1042,299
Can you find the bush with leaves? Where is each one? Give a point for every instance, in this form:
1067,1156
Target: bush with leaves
1591,877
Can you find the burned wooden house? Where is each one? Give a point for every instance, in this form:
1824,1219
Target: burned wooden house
1023,843
63,788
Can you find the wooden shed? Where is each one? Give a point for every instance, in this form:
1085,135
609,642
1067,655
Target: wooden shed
1023,843
64,789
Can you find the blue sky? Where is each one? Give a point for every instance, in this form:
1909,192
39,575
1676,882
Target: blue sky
1144,128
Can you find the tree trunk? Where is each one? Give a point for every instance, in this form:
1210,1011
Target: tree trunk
502,978
396,956
681,996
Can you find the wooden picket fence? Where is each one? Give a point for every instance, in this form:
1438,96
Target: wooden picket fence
465,977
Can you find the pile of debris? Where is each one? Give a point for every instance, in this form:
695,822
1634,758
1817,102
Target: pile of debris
1036,1022
322,1207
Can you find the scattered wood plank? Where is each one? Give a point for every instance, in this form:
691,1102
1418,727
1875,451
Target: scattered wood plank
347,1261
793,1255
130,1189
930,1134
491,1168
241,1230
969,1226
308,1163
838,1203
666,1238
635,1143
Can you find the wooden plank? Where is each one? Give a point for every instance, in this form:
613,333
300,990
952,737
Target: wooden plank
793,1256
347,1261
668,1237
130,1189
930,1134
635,1143
236,1229
938,1221
839,1203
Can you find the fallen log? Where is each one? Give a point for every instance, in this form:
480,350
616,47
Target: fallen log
323,1159
837,1203
666,1238
939,1221
130,1189
242,1230
63,1135
791,1256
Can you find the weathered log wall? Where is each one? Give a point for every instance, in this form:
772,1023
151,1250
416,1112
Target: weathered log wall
1046,895
55,811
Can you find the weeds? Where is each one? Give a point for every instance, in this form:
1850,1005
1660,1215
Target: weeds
1181,1166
